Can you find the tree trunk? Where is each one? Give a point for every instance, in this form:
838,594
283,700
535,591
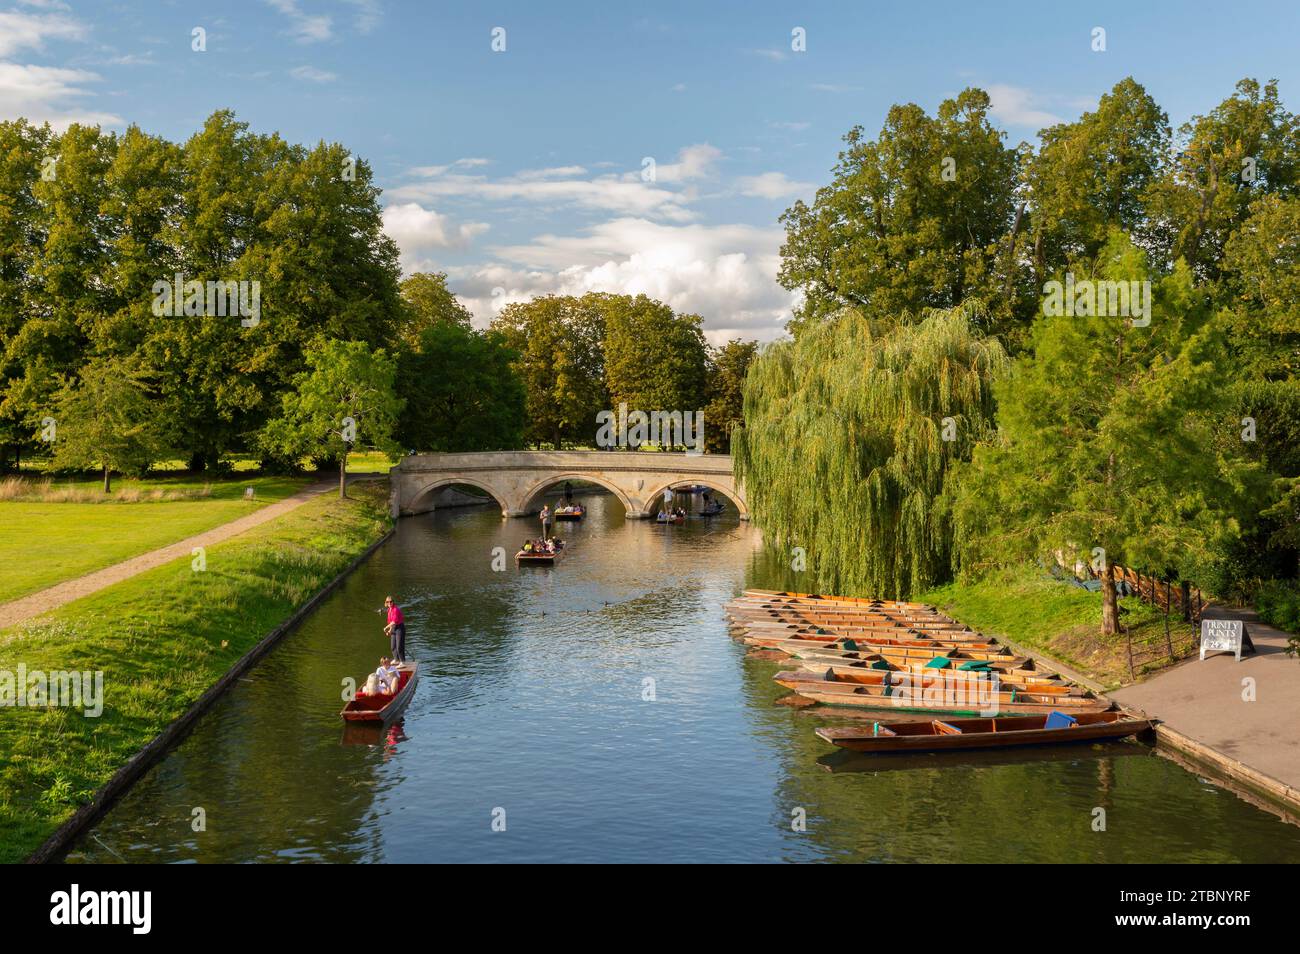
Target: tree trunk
343,475
108,485
1109,603
1186,588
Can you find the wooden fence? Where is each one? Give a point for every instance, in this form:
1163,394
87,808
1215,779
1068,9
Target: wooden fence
1177,601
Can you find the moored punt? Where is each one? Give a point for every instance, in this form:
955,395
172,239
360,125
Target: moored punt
950,694
889,659
384,707
921,650
936,735
819,599
867,674
948,630
752,638
955,696
867,634
939,624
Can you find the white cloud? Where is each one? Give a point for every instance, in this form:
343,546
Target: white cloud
1016,106
305,27
418,230
775,56
693,162
45,94
725,273
554,172
773,185
29,31
368,14
311,74
610,193
833,88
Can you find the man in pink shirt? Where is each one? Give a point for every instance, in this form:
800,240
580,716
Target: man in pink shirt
396,630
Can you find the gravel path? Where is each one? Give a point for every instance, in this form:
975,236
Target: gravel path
33,605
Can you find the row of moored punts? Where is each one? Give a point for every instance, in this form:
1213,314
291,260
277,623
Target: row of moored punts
891,661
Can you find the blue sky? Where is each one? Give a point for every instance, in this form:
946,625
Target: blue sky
521,172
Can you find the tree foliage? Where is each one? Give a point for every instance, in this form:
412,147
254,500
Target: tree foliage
348,397
461,392
1113,446
846,451
105,419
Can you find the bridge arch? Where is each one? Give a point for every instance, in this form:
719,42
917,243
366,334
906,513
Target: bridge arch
724,488
515,478
525,503
422,496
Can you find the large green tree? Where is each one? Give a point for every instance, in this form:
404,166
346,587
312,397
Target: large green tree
1115,442
105,418
655,360
560,344
916,218
24,150
851,431
426,302
461,392
725,411
347,397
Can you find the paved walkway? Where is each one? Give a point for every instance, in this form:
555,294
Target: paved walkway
33,605
1203,700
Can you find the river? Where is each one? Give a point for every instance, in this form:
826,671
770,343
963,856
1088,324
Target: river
598,711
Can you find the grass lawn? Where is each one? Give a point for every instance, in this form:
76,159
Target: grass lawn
161,639
1027,606
43,543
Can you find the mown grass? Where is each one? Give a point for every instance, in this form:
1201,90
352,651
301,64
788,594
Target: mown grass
161,639
45,540
1027,606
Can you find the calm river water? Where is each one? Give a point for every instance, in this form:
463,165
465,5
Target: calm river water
600,709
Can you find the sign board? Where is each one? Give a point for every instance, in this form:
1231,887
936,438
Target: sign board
1225,636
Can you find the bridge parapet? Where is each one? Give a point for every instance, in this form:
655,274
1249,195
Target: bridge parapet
517,479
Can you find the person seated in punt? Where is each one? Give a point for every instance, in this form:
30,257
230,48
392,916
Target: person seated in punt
383,681
527,547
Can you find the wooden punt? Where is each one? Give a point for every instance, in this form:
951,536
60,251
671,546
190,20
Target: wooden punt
939,646
678,518
941,735
537,559
851,622
384,708
848,622
894,619
867,674
1012,665
913,649
959,696
577,512
869,634
791,596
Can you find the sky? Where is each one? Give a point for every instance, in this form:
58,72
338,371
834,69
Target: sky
618,147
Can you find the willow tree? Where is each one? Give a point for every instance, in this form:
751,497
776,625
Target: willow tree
850,432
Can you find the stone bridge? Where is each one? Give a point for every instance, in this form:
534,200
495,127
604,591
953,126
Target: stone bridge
517,480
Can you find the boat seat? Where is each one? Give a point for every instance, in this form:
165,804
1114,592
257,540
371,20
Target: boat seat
945,728
1060,720
939,662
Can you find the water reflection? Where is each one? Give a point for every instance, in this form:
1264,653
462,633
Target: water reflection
600,707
